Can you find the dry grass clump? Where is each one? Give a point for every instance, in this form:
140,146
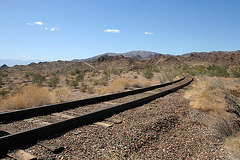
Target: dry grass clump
120,84
207,95
30,96
233,144
211,95
62,95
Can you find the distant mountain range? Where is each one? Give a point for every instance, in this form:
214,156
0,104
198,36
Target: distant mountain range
11,62
193,58
132,54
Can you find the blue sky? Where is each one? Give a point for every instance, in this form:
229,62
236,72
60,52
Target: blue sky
69,29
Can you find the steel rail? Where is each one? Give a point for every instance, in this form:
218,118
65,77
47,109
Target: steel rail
43,110
16,140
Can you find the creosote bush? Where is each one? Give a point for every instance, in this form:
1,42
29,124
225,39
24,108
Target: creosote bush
53,81
148,74
38,79
74,84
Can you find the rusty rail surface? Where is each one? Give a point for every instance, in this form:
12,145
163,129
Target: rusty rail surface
19,139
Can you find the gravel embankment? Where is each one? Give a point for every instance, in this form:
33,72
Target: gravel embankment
166,128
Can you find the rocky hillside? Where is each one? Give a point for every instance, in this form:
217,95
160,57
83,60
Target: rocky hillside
117,62
135,60
55,66
229,58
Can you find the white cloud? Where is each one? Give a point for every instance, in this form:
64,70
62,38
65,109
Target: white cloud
38,23
55,29
148,33
112,30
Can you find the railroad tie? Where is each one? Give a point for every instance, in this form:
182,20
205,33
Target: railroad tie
103,124
52,147
21,155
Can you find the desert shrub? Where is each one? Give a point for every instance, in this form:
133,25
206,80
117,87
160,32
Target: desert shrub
53,81
115,71
101,81
3,74
1,82
38,79
75,71
234,92
74,84
83,87
219,71
212,70
148,74
236,72
28,75
62,95
30,96
166,77
79,77
3,92
91,89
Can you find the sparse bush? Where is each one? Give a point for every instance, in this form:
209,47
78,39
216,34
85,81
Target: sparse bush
236,72
115,71
219,71
135,76
38,79
166,77
75,71
1,82
30,96
83,87
234,92
100,82
74,84
28,75
91,89
53,82
62,95
148,74
3,92
79,77
3,74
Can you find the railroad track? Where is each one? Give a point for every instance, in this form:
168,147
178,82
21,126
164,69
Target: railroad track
43,122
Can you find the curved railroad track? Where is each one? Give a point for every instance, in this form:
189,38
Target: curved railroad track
34,124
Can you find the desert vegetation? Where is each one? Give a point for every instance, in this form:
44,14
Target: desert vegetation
215,91
219,97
